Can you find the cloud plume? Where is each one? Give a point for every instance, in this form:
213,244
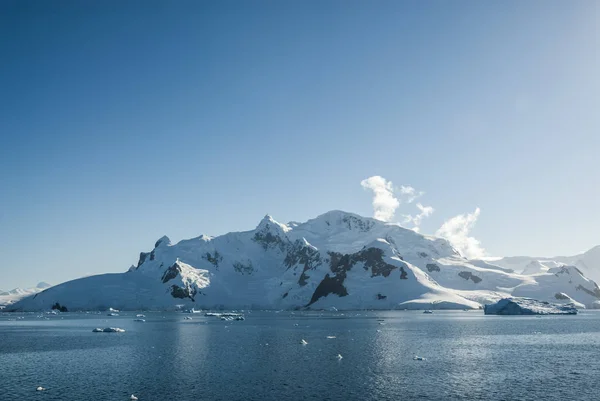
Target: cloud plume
456,230
409,193
384,201
424,211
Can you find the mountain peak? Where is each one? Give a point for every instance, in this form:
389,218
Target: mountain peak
268,223
43,284
345,220
164,240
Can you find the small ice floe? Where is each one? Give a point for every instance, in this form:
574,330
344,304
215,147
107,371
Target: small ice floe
381,324
303,342
140,315
133,397
108,330
240,318
112,314
428,311
187,318
295,324
339,356
40,388
113,310
419,358
379,331
332,309
139,320
331,337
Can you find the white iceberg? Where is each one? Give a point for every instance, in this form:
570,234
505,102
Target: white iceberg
528,306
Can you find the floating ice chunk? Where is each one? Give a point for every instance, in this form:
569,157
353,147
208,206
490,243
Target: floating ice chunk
40,388
303,342
332,309
108,330
428,311
133,397
339,356
140,315
113,310
112,314
330,337
419,358
187,318
139,320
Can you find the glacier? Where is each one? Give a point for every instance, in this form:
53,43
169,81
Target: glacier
337,260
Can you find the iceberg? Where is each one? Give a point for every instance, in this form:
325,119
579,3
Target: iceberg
528,306
108,330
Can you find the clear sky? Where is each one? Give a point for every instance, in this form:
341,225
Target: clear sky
124,121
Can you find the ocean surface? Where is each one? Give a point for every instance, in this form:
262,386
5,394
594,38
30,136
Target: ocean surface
468,356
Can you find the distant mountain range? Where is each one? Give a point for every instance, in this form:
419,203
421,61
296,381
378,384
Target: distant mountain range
588,262
336,260
14,295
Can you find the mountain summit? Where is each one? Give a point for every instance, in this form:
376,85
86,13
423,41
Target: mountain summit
337,259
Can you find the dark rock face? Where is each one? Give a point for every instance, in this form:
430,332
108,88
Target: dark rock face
171,273
143,256
470,276
268,240
59,307
301,254
432,267
340,264
560,295
242,268
329,285
181,293
152,255
595,293
353,222
214,259
423,254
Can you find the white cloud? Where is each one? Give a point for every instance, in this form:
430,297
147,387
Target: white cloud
456,230
425,211
409,193
384,201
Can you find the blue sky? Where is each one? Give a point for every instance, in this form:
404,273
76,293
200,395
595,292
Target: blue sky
124,121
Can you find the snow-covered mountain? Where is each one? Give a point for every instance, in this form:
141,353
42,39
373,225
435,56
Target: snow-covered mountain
338,259
14,295
588,262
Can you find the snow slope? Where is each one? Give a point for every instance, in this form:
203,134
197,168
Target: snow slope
338,259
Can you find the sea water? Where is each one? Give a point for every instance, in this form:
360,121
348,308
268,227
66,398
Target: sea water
465,356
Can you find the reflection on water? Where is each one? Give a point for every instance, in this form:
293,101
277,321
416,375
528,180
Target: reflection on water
468,356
